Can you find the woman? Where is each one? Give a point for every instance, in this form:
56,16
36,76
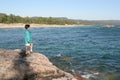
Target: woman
28,39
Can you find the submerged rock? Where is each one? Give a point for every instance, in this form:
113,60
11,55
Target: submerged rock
15,65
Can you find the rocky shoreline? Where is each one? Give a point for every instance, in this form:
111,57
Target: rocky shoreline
15,65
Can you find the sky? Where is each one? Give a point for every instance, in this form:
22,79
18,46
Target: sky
73,9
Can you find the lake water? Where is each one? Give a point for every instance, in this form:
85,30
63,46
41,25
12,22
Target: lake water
92,51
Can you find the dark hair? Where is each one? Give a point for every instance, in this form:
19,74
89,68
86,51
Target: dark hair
27,26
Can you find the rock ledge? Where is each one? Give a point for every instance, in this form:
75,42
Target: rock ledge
14,65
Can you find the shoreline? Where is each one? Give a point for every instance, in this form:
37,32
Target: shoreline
21,25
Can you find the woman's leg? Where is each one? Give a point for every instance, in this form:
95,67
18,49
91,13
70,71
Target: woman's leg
26,49
31,47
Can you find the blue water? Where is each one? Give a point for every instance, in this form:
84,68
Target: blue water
93,52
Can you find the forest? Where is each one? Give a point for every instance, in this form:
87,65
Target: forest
11,18
8,19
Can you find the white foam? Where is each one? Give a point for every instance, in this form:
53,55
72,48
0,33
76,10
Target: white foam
58,55
73,70
97,73
87,76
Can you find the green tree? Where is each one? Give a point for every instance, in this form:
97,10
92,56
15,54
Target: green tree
3,18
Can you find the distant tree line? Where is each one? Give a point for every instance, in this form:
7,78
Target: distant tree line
7,19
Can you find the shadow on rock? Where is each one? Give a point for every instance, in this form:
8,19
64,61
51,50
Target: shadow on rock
22,68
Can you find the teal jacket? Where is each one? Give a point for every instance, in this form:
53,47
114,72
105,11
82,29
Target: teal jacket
28,37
